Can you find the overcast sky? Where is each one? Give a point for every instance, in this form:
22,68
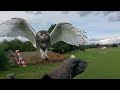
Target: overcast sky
101,26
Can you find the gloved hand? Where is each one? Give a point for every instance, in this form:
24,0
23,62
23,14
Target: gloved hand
68,69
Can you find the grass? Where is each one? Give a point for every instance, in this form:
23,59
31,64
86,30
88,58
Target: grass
29,72
105,64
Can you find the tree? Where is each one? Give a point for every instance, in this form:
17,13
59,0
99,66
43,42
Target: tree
27,46
12,45
4,61
98,45
61,47
51,28
18,45
82,48
114,45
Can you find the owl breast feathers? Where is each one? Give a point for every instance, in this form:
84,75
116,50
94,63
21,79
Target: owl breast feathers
43,40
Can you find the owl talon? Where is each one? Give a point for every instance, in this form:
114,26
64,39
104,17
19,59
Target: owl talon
44,57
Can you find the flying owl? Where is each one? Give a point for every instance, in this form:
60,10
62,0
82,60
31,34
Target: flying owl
42,40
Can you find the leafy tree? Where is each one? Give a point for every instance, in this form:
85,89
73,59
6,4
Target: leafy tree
13,45
4,61
18,45
114,45
82,48
51,28
27,46
61,47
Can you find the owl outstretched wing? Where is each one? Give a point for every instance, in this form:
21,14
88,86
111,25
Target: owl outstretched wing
18,27
68,33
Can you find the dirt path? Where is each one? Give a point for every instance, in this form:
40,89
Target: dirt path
34,57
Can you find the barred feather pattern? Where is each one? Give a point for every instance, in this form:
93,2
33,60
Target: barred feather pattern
68,33
18,27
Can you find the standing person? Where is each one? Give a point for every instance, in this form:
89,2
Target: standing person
19,59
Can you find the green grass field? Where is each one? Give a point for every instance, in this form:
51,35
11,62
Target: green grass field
105,64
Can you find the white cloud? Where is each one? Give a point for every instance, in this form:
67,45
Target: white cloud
96,23
12,38
109,41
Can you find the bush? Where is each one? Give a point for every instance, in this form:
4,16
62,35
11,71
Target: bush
82,48
4,61
114,45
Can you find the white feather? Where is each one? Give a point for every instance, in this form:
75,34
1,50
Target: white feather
18,27
62,32
68,33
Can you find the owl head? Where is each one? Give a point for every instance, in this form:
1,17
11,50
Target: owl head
43,35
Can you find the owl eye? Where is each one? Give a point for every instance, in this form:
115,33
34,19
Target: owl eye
41,34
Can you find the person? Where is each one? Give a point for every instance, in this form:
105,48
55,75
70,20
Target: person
19,59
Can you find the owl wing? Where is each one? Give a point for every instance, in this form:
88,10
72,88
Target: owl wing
18,27
68,33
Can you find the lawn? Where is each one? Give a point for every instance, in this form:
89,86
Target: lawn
104,64
29,72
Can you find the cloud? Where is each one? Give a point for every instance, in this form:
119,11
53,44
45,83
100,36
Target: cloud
65,12
95,23
113,16
107,12
12,38
81,13
105,40
109,41
84,13
34,12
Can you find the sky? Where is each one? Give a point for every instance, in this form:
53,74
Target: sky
102,27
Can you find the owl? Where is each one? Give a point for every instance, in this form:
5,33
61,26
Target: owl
42,40
43,43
